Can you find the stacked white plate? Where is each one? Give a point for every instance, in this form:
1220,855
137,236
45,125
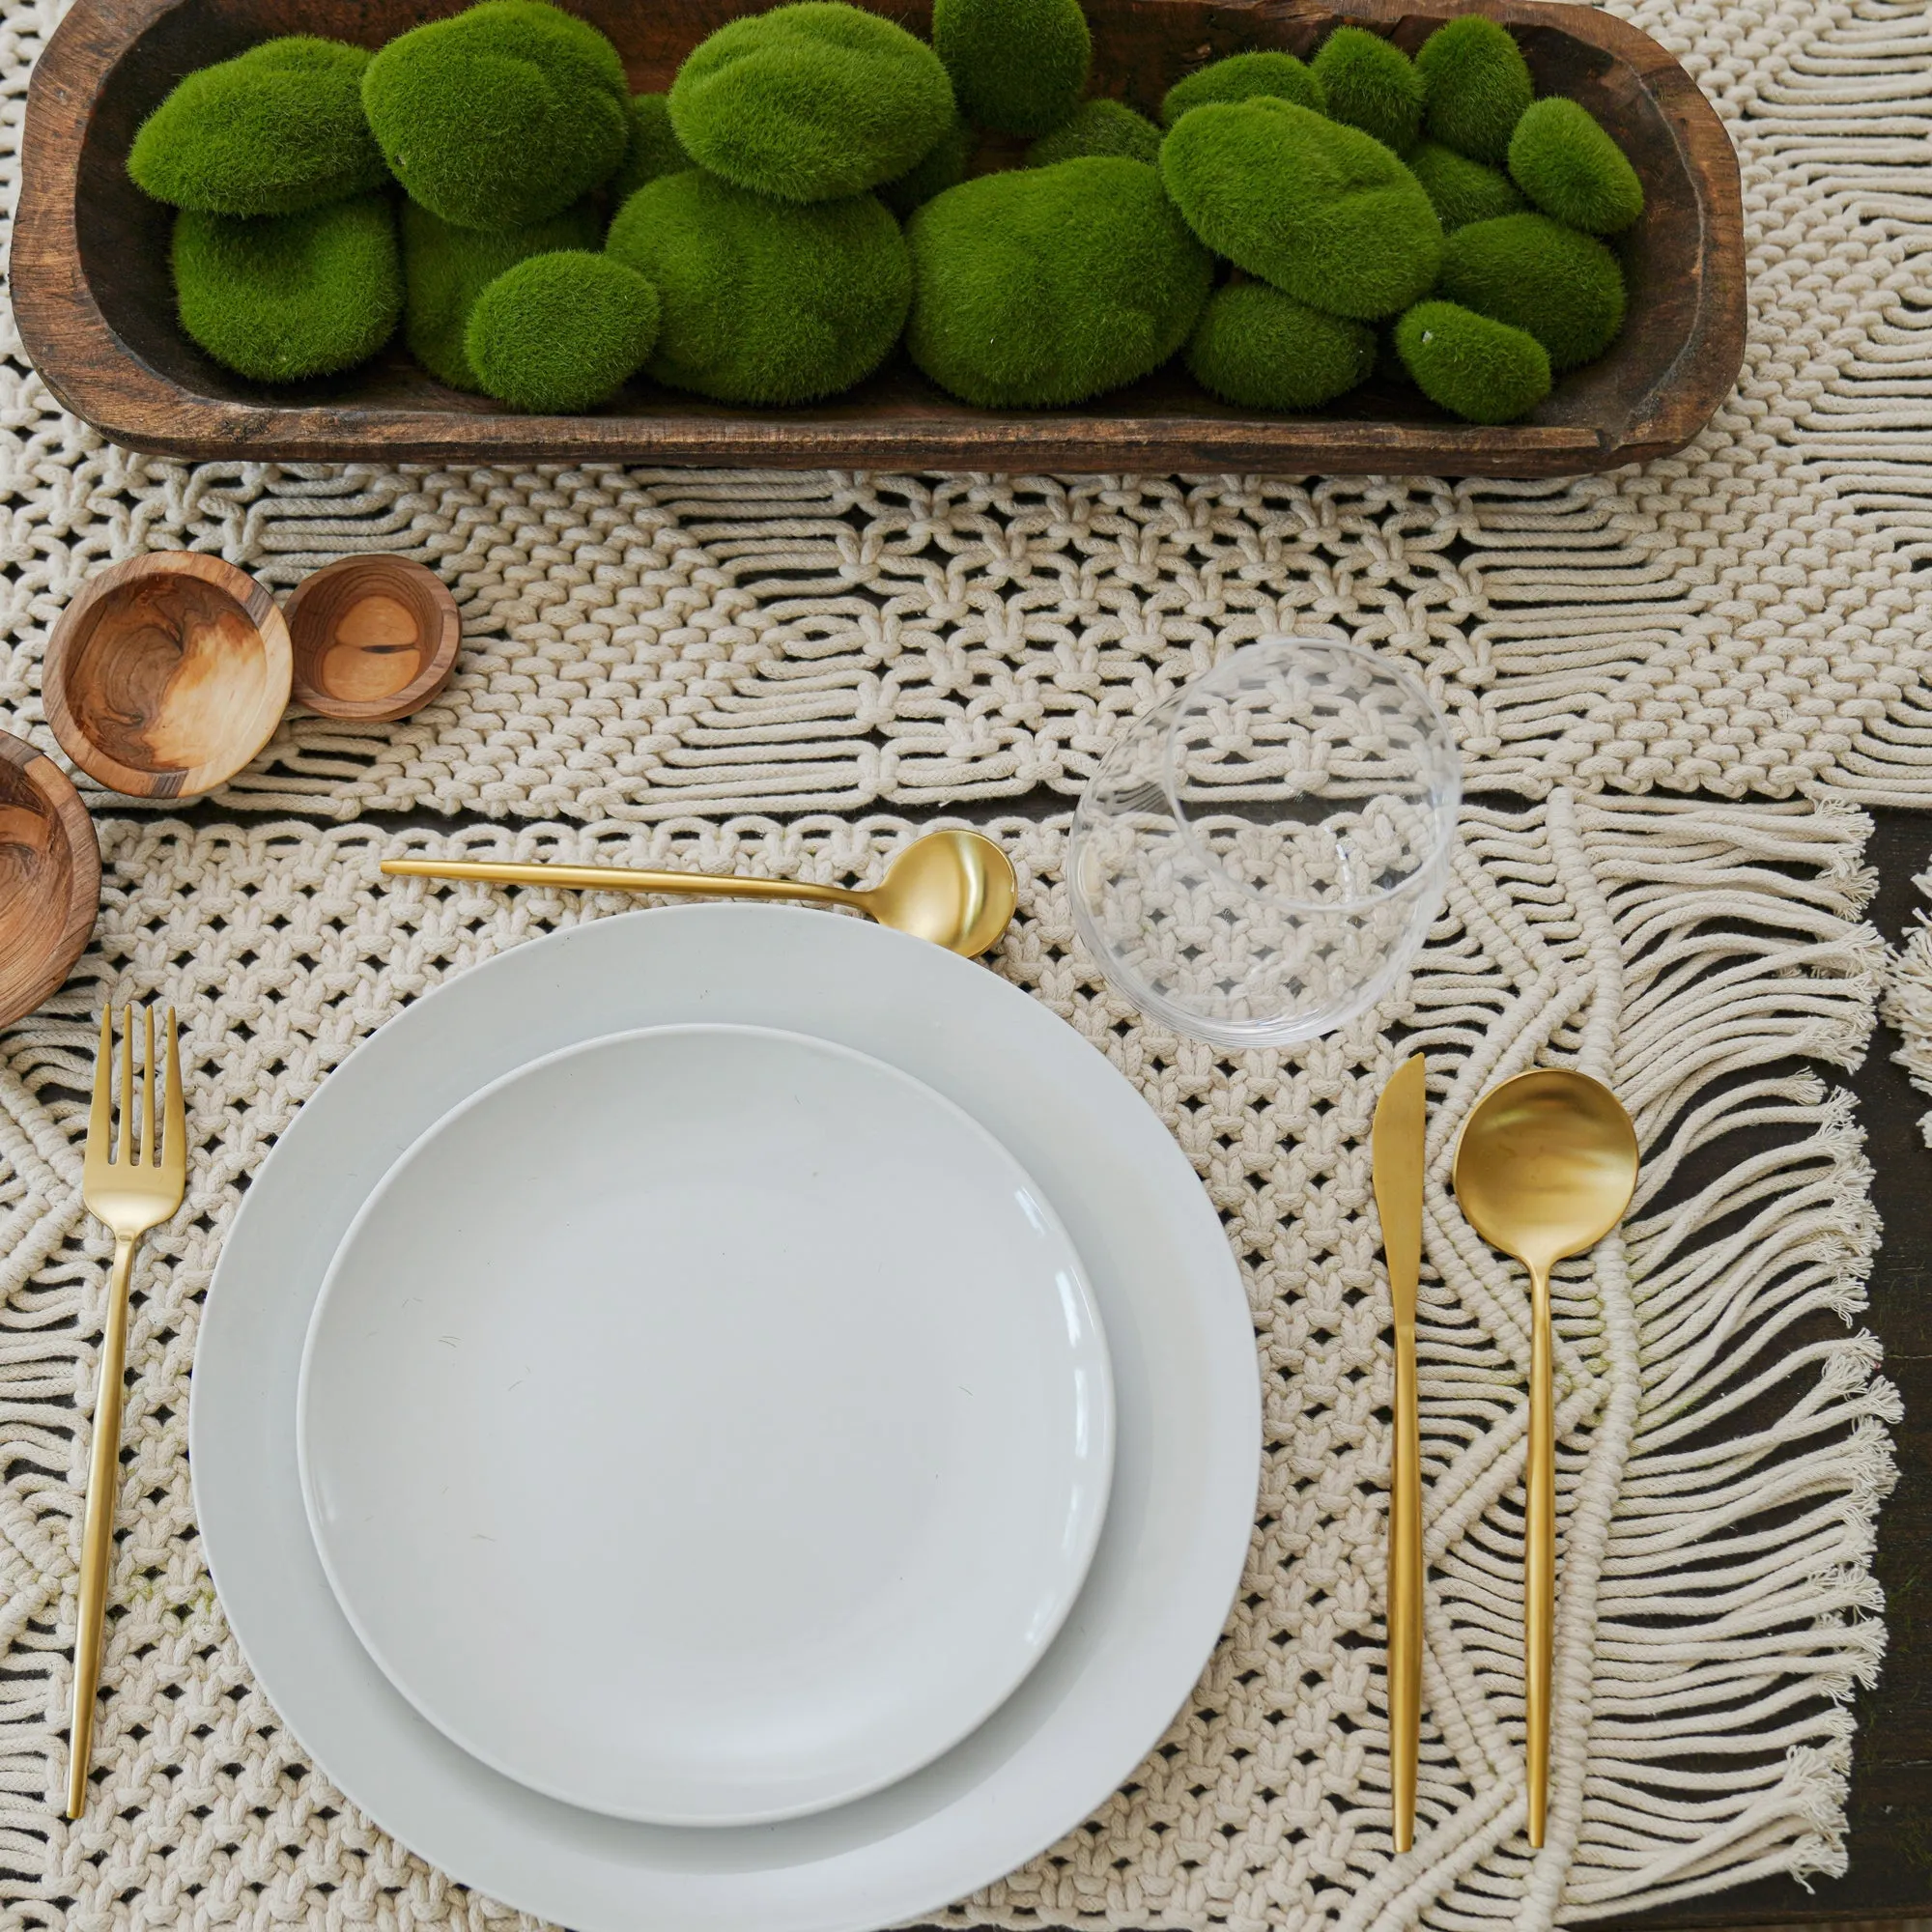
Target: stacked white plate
726,1417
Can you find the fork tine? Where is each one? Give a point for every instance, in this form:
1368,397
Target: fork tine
150,1148
174,1149
126,1151
100,1114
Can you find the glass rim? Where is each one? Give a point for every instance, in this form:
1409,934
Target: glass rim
1446,811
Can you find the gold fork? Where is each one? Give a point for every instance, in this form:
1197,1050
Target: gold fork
129,1194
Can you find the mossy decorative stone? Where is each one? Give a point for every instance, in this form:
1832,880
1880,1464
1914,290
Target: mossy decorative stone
273,132
1564,161
1098,128
1044,286
1325,213
1479,87
1241,78
499,116
283,297
1564,288
1018,65
764,302
445,269
561,333
1266,351
1477,368
1463,190
655,149
812,102
942,166
1370,84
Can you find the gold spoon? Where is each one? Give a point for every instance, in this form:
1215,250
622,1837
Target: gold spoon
1545,1167
954,888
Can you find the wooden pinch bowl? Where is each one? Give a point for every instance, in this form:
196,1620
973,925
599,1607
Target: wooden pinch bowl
49,877
374,637
167,674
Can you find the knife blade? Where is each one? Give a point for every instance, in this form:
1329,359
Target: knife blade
1396,1145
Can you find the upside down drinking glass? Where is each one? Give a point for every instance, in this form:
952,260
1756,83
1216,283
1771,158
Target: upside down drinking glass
1261,854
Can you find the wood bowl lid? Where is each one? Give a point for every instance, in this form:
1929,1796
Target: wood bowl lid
49,877
167,674
374,637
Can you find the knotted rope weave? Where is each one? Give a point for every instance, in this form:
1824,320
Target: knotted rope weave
1721,1430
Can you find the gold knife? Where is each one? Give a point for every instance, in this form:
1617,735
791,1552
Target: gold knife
1397,1150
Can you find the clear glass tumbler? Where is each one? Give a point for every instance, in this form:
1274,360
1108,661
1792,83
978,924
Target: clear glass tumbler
1261,855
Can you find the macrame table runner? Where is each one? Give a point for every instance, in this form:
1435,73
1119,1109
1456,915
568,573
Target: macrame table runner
1721,1428
1744,618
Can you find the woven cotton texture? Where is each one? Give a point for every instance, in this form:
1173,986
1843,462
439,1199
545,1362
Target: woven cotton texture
1721,1428
1745,618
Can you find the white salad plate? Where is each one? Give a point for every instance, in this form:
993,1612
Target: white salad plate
705,1425
1186,1447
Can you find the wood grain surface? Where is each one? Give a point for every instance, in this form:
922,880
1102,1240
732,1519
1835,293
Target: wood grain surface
167,673
49,877
90,276
374,637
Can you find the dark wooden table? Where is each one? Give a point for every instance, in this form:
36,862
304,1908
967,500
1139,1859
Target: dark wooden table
1890,1879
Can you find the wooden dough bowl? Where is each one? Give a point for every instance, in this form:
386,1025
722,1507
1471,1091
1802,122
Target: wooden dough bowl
90,276
49,877
374,637
167,673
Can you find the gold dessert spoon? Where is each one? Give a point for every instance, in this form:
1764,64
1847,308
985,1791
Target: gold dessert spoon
955,888
1545,1167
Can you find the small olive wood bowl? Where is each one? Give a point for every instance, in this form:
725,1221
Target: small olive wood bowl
167,674
90,275
374,637
49,877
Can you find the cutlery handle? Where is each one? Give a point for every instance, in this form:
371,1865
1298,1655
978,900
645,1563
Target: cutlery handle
618,879
1405,1592
96,1536
1539,1565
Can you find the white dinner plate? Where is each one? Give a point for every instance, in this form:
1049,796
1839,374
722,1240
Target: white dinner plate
736,1364
1187,1443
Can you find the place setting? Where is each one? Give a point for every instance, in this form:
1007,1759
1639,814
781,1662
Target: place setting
736,1411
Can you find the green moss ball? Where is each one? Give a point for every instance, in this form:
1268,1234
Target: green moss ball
810,102
655,149
1479,87
1098,128
282,296
1018,66
1044,286
1565,162
273,131
763,303
939,168
1484,371
1241,78
1463,190
561,333
499,116
1324,212
1266,351
445,269
1372,85
1563,288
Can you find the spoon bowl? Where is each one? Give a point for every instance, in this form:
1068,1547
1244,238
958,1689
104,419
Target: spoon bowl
955,888
1545,1167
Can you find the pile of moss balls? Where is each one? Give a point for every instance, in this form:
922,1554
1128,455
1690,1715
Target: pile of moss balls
818,188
